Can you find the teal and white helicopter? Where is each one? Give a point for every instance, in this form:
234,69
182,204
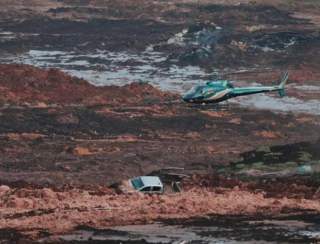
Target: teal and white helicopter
221,90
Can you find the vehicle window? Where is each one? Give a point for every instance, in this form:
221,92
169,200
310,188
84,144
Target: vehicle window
148,188
156,188
137,183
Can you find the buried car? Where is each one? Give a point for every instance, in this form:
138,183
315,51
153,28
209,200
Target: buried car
147,184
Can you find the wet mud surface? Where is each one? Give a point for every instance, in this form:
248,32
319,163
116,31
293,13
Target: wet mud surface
60,154
89,215
252,163
51,136
214,229
173,46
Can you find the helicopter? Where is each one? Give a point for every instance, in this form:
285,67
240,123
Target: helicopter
221,90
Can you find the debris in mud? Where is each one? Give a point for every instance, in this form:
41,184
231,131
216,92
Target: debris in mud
289,169
58,142
197,42
279,41
64,141
121,128
217,41
64,211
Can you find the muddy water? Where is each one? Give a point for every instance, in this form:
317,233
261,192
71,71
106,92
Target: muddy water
173,58
233,229
117,68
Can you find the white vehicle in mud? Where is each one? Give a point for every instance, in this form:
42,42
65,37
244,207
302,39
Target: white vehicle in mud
147,184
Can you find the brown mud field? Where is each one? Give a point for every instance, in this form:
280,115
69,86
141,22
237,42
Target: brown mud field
60,153
90,96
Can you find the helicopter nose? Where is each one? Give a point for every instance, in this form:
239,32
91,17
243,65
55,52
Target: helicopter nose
187,98
191,98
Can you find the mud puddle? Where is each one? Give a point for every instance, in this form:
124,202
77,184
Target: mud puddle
215,229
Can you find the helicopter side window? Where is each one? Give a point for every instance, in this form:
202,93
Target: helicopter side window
230,85
208,90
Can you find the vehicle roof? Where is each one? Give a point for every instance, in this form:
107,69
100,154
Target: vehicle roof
151,180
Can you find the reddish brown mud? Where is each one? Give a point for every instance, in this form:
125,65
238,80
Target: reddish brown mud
21,84
51,132
63,141
33,211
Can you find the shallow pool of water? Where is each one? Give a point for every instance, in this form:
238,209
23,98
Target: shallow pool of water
215,229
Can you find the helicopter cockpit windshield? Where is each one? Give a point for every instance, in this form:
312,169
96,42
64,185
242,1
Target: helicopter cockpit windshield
208,90
195,89
200,91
